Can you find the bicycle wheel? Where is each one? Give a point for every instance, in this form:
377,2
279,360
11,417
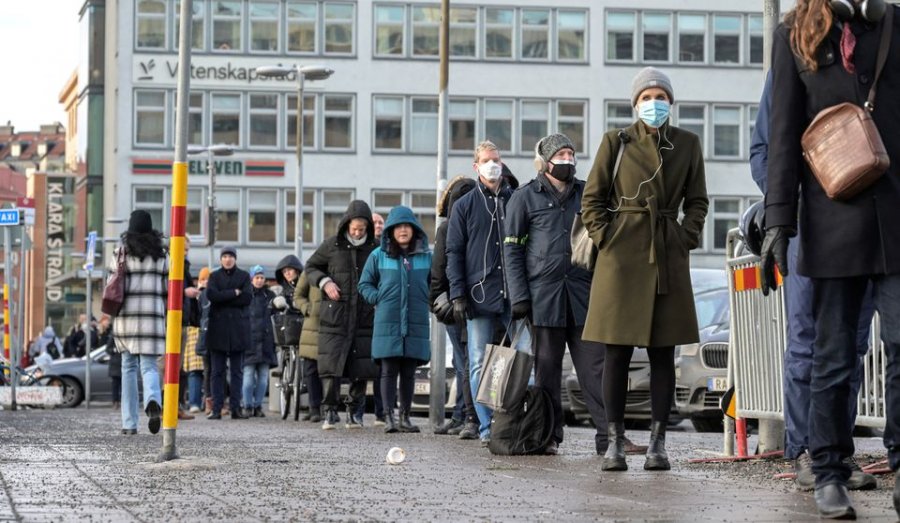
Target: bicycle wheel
298,381
286,383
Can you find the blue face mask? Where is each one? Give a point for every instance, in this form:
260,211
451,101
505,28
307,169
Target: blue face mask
654,112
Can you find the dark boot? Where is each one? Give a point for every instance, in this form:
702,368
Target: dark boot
657,459
405,424
614,459
154,411
390,423
833,502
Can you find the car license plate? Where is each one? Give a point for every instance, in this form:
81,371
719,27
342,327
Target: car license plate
717,384
422,388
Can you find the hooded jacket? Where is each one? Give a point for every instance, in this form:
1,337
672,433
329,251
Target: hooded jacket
44,342
345,325
262,340
287,287
455,190
396,284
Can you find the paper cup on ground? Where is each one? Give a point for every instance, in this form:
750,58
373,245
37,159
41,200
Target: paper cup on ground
396,456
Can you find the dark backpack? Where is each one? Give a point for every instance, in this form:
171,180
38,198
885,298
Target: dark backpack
525,430
53,349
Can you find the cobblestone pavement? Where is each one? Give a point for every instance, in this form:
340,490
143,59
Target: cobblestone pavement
73,465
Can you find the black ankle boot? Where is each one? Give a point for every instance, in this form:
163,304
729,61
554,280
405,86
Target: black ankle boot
614,459
390,422
405,424
657,459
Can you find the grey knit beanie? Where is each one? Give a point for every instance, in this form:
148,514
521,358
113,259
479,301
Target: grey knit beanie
550,145
650,77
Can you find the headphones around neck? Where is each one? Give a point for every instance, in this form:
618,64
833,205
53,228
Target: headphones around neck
869,10
539,162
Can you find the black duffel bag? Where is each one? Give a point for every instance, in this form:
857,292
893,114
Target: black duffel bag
287,326
527,429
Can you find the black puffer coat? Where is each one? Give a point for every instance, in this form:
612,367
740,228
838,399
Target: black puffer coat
345,326
288,287
229,317
262,340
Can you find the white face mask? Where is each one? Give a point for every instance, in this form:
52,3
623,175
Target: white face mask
490,171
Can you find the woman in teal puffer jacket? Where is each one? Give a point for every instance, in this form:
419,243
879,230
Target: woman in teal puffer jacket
395,281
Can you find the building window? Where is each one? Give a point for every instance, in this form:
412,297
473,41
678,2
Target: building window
691,38
388,123
152,200
263,120
657,28
571,31
726,131
301,27
752,113
726,213
535,116
150,118
309,121
498,33
571,119
226,24
264,30
462,125
620,29
261,212
309,211
389,24
228,211
755,32
425,28
384,201
463,28
151,24
226,119
423,206
338,132
334,205
619,115
535,34
727,39
198,37
498,123
693,118
195,205
423,125
339,21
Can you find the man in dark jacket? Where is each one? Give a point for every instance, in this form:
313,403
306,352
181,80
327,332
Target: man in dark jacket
475,267
229,293
546,287
345,319
464,421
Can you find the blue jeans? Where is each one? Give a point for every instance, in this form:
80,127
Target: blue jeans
195,388
481,332
150,376
838,302
256,378
798,358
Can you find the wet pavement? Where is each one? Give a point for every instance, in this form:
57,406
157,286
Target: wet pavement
73,465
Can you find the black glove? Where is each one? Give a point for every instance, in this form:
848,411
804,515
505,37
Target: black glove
521,310
459,311
772,254
443,309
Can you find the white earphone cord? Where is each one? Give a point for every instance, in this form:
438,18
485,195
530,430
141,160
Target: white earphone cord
670,147
487,241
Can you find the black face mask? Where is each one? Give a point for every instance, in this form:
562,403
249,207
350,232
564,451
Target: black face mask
563,172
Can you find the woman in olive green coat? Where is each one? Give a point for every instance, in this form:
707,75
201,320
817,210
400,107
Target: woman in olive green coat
641,291
308,300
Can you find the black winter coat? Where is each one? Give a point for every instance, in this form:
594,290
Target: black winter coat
262,340
287,287
345,326
475,251
840,239
539,253
204,307
229,317
190,315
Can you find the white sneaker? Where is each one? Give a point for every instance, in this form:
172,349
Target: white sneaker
194,409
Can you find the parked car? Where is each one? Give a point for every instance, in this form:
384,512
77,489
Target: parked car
637,399
72,371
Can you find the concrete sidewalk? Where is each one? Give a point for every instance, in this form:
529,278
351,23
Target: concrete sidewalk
73,465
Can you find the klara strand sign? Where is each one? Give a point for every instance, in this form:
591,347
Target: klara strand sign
200,167
57,237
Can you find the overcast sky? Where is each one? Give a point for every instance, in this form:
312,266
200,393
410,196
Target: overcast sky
40,51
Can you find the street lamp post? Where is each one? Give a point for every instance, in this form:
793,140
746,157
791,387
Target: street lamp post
306,72
212,151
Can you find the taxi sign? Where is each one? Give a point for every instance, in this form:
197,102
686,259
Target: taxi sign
9,217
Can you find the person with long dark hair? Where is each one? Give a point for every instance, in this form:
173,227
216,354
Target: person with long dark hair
139,329
824,54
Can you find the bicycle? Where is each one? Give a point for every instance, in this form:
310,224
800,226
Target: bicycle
290,377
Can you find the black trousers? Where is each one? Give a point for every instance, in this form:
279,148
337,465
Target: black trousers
332,391
662,381
313,383
391,368
549,347
235,362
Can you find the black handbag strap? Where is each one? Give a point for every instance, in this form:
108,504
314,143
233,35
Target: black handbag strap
887,28
516,336
612,184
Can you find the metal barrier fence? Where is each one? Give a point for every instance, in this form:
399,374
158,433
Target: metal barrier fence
759,339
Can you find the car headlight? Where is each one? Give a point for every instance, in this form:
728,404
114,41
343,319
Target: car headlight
690,349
